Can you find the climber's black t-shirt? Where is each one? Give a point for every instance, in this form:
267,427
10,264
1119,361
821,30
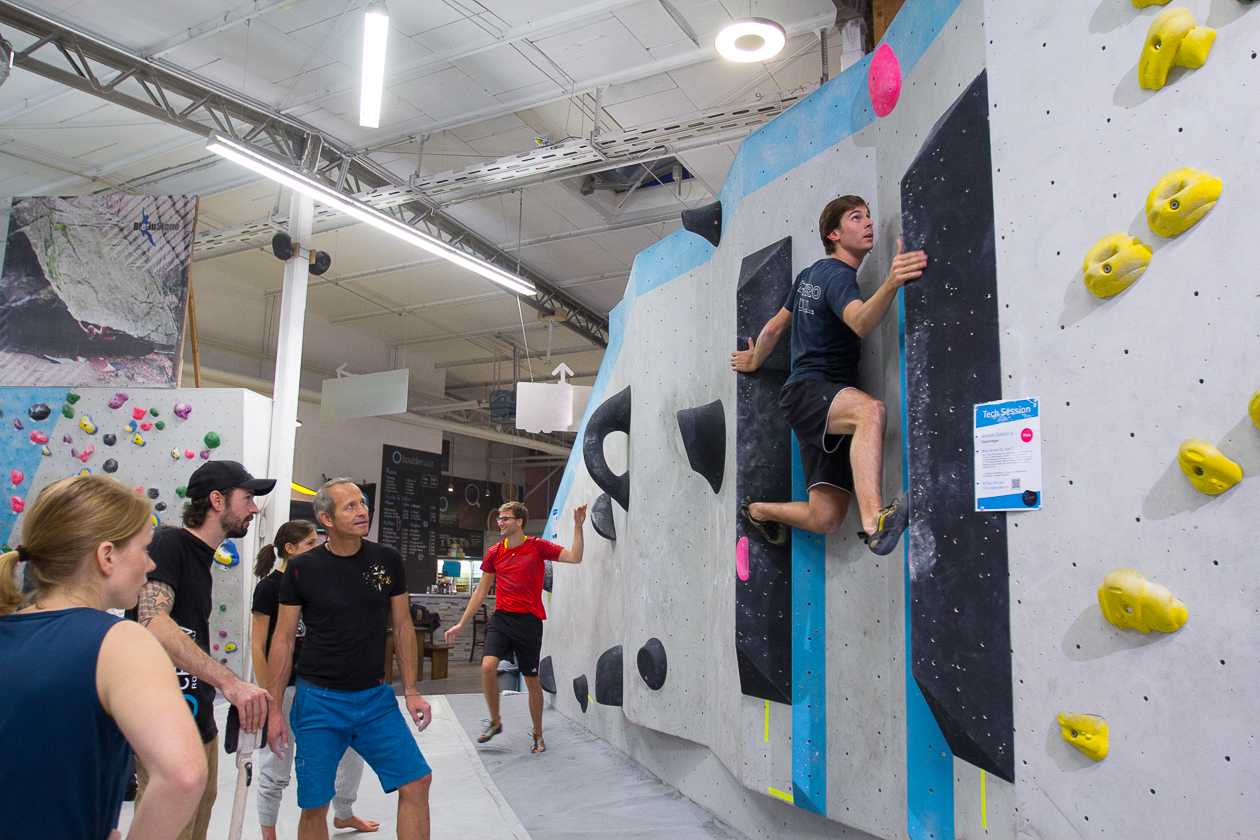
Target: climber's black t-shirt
823,345
345,605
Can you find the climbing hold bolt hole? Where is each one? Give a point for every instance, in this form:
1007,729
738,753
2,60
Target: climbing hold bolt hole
1198,470
1174,204
1073,733
1128,609
1106,269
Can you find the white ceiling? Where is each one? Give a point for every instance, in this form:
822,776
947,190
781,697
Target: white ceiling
481,79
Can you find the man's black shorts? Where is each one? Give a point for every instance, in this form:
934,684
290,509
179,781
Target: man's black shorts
824,458
509,633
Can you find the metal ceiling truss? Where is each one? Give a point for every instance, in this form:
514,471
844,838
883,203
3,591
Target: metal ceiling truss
163,92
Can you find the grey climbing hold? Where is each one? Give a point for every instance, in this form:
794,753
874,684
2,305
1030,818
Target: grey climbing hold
652,664
153,492
608,677
612,416
602,518
109,438
110,466
547,675
704,438
582,691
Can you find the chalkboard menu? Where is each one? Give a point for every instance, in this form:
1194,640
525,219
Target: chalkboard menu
424,512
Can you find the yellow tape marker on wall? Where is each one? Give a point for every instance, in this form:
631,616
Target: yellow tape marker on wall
767,721
786,797
984,807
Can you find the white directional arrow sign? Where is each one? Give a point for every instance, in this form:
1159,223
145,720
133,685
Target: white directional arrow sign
563,371
551,406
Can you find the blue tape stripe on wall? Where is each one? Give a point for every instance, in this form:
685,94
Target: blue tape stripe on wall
929,763
809,661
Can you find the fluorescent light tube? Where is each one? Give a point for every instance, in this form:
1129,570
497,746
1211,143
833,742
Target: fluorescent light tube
235,151
375,34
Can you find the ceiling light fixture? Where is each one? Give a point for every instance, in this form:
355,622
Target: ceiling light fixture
754,39
375,34
238,152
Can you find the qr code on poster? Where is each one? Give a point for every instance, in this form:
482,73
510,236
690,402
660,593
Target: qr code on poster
1014,483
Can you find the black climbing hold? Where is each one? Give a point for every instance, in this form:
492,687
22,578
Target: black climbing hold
153,492
160,506
959,622
547,675
321,263
109,439
608,677
582,691
612,416
652,664
110,466
282,246
705,221
602,518
704,437
547,576
39,411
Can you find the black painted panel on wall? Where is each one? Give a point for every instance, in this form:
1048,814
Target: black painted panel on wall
763,472
959,590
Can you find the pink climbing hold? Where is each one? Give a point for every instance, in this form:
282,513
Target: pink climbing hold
137,413
17,504
741,558
39,438
188,453
117,400
16,477
144,427
884,80
86,453
182,410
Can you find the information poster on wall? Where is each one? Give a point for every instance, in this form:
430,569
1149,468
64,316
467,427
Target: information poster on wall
1008,455
426,514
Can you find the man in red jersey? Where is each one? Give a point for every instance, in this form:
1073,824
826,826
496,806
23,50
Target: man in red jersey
518,563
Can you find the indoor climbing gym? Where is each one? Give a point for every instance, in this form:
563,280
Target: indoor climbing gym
629,419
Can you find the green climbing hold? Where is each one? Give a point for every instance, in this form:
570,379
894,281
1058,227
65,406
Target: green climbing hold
72,398
222,607
212,440
181,491
159,425
67,411
153,411
4,549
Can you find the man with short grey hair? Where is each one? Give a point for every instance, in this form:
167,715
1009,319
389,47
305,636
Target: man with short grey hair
347,592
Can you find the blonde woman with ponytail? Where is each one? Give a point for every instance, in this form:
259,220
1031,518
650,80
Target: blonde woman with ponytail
77,685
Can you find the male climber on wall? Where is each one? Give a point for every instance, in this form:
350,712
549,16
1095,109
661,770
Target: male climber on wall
840,429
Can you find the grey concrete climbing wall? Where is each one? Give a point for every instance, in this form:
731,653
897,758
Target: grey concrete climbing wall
1076,145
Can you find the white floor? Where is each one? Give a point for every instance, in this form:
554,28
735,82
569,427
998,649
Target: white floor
464,801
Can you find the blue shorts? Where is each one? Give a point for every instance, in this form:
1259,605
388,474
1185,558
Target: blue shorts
325,722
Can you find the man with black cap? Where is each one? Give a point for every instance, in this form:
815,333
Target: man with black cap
176,602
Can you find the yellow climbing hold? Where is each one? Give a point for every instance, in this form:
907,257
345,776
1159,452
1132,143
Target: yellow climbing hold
1130,601
1180,199
1208,470
1142,4
1114,263
1088,733
1253,408
1173,40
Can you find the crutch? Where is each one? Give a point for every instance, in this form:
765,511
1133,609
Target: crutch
243,744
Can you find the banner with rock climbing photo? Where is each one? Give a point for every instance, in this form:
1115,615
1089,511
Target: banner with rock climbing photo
94,289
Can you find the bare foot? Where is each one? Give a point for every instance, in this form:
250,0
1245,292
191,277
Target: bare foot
356,823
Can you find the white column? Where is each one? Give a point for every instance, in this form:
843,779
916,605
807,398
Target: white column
288,369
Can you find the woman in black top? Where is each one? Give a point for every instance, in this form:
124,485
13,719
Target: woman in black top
292,538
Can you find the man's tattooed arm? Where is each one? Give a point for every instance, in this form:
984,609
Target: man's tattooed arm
156,598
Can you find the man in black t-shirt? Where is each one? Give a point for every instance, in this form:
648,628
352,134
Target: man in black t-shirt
175,605
839,428
347,592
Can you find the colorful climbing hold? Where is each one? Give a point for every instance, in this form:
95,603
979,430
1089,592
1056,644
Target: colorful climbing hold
182,410
39,411
1180,199
159,425
17,424
67,439
227,556
230,647
67,411
17,504
1253,408
1173,39
216,647
1208,470
153,492
87,425
205,454
1114,263
110,466
109,438
188,453
137,440
145,426
86,453
174,454
181,491
153,411
117,400
222,607
133,426
85,471
72,398
137,413
1130,601
39,437
222,634
155,520
1088,733
741,558
884,80
16,477
212,440
44,450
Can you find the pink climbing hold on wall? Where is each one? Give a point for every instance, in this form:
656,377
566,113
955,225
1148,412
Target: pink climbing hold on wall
117,400
39,438
884,80
86,453
16,477
182,410
17,504
741,558
137,413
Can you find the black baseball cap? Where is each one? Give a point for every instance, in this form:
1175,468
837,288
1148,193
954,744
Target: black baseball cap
223,476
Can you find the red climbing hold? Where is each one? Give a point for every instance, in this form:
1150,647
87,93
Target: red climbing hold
884,80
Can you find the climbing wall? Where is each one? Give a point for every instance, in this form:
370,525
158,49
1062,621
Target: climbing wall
968,685
152,440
